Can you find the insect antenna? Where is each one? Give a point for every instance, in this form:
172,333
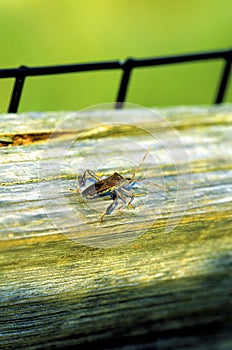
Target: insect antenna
139,166
153,184
145,181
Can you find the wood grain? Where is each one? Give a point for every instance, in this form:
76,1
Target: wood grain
157,276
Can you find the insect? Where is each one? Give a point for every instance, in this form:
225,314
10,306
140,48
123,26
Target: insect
115,186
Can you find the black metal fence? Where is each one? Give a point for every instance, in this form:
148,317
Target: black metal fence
127,66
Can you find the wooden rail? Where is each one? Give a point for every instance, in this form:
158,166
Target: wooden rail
159,275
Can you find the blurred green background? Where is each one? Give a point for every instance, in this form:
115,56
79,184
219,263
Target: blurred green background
48,32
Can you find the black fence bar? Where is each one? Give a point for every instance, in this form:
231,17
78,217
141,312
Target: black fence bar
62,69
224,82
16,95
158,61
127,66
17,91
123,88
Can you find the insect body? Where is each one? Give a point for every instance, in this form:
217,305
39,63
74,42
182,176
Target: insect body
106,185
115,186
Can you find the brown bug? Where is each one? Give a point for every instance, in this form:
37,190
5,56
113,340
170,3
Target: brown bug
113,186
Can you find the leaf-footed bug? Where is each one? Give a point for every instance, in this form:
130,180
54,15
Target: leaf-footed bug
115,186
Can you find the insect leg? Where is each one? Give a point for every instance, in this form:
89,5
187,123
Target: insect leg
122,197
110,208
82,178
128,194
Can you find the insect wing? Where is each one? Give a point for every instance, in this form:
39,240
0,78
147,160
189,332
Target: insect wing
109,183
90,192
102,187
95,190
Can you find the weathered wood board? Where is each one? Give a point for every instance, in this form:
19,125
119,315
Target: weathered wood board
158,276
